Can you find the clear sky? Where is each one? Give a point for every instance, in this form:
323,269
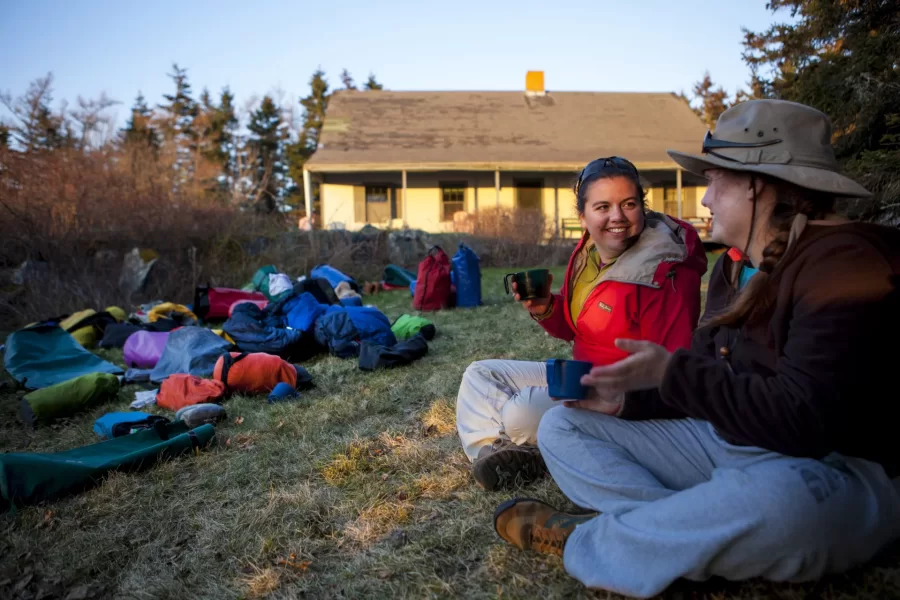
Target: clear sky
258,47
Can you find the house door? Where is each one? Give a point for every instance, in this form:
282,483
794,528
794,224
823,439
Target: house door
378,208
529,194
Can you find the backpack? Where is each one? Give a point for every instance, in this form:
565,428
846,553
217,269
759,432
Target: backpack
116,424
466,274
212,303
257,373
433,281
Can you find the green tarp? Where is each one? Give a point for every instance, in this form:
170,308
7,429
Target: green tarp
398,276
30,478
44,355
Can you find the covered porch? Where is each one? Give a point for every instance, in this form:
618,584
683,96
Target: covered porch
437,197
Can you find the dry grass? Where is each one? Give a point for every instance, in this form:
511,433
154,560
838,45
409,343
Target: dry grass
357,490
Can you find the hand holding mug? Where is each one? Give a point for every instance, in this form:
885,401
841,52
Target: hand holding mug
535,306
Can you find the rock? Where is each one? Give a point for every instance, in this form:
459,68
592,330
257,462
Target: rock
408,246
30,270
135,269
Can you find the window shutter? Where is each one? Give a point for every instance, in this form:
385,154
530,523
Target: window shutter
359,204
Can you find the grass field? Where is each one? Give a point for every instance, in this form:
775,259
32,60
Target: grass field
358,490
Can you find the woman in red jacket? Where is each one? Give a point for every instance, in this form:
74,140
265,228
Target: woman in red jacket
635,274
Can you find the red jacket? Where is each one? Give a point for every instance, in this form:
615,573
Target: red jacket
651,292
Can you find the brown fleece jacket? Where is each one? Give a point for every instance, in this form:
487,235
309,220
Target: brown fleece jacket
819,374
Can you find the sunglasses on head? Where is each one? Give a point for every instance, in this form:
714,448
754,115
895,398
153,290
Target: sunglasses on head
600,164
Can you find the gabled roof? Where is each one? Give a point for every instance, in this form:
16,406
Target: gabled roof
384,130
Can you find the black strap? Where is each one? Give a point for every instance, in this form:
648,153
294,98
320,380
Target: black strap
195,441
160,428
100,319
227,361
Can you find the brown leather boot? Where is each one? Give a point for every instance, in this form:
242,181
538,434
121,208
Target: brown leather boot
534,525
504,464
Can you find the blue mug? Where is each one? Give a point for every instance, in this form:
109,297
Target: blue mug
564,378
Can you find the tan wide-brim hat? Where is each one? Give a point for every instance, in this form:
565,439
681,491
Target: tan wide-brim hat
786,140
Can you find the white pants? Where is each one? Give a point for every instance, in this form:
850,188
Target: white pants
501,399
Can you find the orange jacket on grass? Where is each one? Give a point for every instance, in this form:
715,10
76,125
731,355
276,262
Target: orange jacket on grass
180,390
651,292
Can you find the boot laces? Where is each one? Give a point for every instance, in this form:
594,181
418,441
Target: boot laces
548,539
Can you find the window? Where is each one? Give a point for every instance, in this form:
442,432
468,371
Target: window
528,194
453,200
670,197
378,208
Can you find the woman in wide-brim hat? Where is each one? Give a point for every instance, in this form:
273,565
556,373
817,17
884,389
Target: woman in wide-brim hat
767,449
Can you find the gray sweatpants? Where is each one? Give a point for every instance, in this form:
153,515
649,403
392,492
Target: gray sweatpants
678,501
501,399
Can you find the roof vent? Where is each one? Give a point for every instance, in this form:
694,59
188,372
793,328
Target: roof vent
534,83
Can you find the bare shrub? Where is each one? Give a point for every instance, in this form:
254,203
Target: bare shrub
78,213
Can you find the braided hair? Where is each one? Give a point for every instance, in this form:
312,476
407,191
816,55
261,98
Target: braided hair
791,201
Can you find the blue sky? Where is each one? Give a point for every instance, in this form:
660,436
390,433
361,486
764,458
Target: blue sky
259,47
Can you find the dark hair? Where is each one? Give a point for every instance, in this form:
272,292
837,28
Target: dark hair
610,168
755,300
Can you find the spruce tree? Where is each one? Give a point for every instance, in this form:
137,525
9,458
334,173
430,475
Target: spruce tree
266,144
372,83
840,57
139,129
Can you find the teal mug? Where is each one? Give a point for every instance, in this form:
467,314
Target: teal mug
529,284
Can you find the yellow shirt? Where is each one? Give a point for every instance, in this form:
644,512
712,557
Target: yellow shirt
586,282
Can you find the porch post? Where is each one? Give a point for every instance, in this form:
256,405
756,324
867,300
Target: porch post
497,185
556,205
405,210
307,194
678,184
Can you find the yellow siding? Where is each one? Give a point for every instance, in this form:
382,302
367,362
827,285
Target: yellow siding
337,204
702,211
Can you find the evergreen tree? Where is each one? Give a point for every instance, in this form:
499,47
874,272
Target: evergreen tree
181,108
347,80
713,100
372,83
219,124
178,124
139,129
314,107
840,57
4,137
267,146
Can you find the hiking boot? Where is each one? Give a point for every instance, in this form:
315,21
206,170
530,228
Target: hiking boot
534,525
504,464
